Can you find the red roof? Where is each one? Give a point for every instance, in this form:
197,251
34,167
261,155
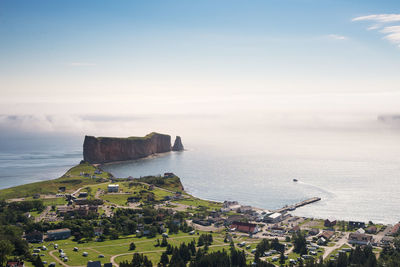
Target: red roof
244,227
395,229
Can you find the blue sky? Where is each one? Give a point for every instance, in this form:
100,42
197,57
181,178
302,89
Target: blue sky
193,53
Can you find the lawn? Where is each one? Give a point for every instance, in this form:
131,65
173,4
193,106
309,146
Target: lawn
119,246
71,180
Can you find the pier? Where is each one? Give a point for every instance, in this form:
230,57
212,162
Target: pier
298,205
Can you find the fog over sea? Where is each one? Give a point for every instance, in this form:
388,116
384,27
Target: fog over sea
351,162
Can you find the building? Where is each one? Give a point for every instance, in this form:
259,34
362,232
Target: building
113,188
274,218
249,228
314,231
395,229
295,229
387,240
360,239
169,175
34,237
329,223
371,229
327,235
354,224
58,234
82,210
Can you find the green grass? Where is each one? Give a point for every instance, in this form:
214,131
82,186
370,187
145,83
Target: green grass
196,202
71,180
148,136
119,246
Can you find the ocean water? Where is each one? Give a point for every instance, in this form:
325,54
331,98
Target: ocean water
356,172
39,158
357,176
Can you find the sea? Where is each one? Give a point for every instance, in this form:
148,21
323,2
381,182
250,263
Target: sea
355,171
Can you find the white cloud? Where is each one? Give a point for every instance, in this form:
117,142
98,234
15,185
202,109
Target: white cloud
336,37
81,64
382,18
392,33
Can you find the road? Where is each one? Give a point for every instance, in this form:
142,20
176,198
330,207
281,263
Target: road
338,244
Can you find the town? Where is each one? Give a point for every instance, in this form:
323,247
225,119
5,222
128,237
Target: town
89,218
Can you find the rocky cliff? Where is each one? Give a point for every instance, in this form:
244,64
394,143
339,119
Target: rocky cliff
178,146
109,149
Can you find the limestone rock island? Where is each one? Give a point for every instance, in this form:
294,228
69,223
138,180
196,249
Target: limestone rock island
109,149
178,146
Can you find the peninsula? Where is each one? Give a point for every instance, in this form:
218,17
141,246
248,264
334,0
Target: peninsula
98,150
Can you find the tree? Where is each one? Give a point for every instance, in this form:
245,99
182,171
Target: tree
164,259
6,249
164,242
38,262
132,246
282,258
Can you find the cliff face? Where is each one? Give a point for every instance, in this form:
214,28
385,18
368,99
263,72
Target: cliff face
178,146
109,149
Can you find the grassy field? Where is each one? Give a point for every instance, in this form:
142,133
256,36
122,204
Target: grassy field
196,202
119,246
71,180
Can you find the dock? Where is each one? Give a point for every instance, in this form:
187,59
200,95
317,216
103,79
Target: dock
298,205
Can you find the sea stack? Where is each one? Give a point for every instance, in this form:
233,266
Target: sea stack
178,144
111,149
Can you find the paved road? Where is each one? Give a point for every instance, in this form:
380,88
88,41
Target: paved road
338,244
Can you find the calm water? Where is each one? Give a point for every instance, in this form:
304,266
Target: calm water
357,175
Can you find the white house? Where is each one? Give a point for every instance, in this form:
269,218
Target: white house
113,188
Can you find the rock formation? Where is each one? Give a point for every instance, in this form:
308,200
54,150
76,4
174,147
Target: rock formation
177,144
109,149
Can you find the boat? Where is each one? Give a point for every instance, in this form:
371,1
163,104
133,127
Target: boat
295,180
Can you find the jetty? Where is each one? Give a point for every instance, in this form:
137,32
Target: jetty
298,205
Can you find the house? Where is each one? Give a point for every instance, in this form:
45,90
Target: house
249,228
395,229
327,235
359,239
329,223
295,229
93,264
34,237
274,217
227,204
314,231
97,171
61,189
354,224
371,229
113,188
15,264
387,240
58,234
233,218
360,231
169,175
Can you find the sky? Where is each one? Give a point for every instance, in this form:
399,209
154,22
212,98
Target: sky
68,64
